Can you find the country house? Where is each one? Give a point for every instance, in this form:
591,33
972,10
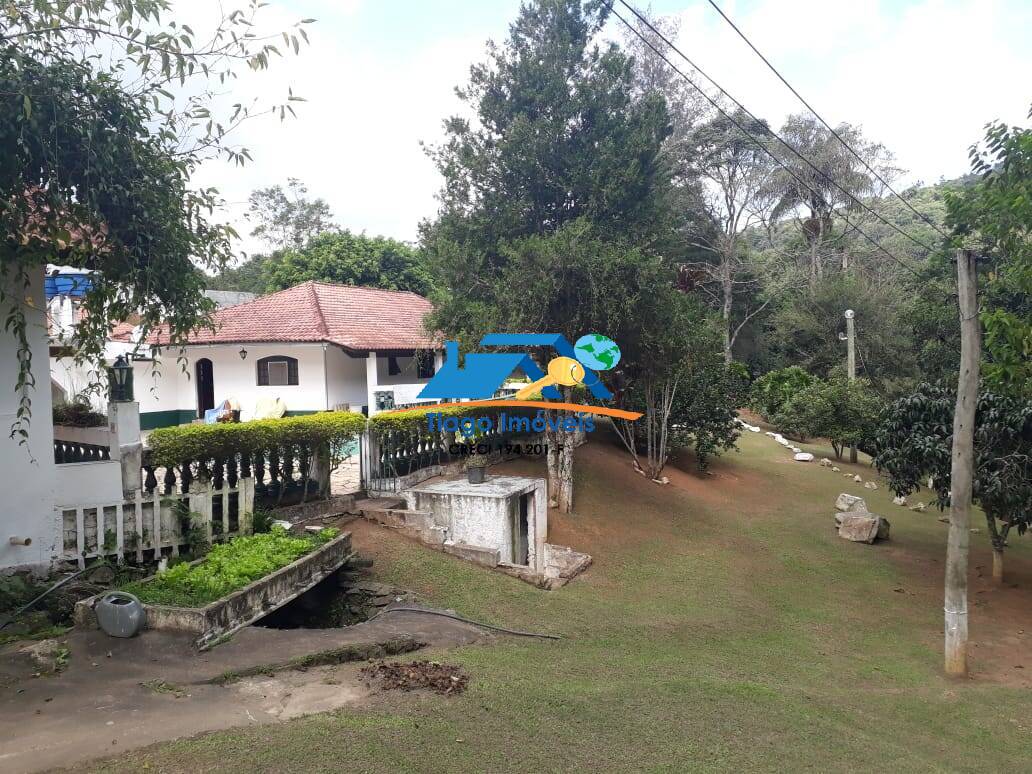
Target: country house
312,347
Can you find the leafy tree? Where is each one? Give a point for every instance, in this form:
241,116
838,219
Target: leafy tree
811,195
287,219
250,276
845,412
582,282
769,394
995,216
350,259
654,75
729,170
705,409
559,137
96,156
915,439
673,372
805,329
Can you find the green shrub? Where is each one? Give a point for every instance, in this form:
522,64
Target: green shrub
173,445
773,390
227,568
78,414
846,413
261,520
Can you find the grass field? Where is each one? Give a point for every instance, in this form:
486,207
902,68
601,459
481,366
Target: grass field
723,626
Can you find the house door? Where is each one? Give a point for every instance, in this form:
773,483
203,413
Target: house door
521,531
205,386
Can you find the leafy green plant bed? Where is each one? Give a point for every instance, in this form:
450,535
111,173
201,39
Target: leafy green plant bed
227,568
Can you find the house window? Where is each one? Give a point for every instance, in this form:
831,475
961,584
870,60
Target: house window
393,369
277,371
425,364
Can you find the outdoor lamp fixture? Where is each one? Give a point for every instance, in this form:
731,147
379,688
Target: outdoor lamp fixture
120,382
243,353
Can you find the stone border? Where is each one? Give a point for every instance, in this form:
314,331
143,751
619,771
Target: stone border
223,617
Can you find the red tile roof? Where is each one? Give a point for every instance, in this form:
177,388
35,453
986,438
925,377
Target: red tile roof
356,318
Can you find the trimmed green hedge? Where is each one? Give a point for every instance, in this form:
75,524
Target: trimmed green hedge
173,445
415,420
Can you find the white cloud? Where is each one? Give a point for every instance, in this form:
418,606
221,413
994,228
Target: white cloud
922,79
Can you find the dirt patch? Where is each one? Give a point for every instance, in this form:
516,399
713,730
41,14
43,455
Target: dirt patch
444,679
1000,627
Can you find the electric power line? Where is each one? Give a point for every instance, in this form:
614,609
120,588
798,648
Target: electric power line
828,126
760,145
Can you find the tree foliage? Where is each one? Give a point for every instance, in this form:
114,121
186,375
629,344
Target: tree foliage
96,154
563,151
769,394
805,331
286,218
810,192
995,216
915,440
350,259
845,412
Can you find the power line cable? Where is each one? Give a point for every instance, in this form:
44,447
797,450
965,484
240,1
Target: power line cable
755,141
745,110
828,126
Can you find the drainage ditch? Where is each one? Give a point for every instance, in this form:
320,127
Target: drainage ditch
343,599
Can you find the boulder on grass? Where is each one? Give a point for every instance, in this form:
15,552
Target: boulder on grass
850,503
836,469
825,462
870,485
803,457
857,479
899,500
863,528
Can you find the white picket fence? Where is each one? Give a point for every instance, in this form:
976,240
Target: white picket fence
154,522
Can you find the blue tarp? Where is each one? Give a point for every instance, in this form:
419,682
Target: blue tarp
66,285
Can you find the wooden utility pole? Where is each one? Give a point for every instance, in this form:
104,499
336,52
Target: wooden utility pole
851,360
962,468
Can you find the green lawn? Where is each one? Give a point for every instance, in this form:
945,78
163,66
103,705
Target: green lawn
723,626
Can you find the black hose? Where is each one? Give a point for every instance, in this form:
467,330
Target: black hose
465,620
23,608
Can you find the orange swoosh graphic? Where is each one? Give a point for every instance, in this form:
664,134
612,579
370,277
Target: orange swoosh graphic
577,407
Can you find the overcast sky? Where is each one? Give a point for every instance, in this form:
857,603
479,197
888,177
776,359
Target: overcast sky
921,76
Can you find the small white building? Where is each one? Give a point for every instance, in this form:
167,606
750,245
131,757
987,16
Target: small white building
316,347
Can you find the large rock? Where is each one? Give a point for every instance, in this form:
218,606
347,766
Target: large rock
870,485
803,457
848,502
863,528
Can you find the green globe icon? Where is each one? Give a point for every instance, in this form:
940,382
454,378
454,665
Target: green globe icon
597,352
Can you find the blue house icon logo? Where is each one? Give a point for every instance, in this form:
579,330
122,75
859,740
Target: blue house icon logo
484,373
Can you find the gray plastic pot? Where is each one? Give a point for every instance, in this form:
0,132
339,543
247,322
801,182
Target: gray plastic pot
120,614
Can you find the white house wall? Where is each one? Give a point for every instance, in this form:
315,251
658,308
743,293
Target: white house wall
345,379
233,378
77,379
27,475
405,385
156,386
327,378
